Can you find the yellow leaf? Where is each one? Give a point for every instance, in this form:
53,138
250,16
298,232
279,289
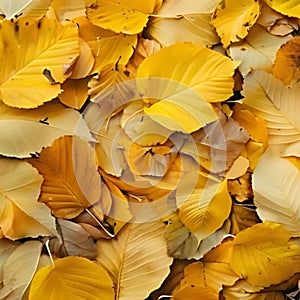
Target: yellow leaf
241,188
200,69
72,182
16,280
268,98
107,46
109,76
263,254
75,92
20,214
195,28
206,278
72,278
33,68
176,8
126,16
199,205
255,125
136,266
36,8
234,18
286,65
276,184
48,122
258,50
290,8
85,61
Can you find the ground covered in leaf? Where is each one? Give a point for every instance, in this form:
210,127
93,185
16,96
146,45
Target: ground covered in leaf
149,149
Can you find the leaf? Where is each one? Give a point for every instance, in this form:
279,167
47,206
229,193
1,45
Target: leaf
290,8
185,245
286,65
109,76
75,92
107,46
68,9
233,19
20,214
243,290
202,70
72,182
258,50
85,62
30,75
199,204
136,260
16,280
193,28
6,248
269,98
174,8
20,128
205,279
36,8
263,254
74,278
73,241
120,16
276,184
11,8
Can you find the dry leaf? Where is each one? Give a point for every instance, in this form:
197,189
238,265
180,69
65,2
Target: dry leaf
136,260
120,16
82,278
276,184
234,18
195,28
263,254
257,51
286,65
72,182
21,215
48,123
16,280
30,75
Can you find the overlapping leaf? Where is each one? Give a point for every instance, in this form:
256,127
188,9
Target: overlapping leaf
16,280
270,99
120,16
20,214
81,278
276,184
287,7
234,18
30,75
136,260
71,179
20,128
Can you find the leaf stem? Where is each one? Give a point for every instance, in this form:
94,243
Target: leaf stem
49,252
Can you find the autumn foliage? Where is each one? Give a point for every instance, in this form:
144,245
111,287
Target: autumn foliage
149,149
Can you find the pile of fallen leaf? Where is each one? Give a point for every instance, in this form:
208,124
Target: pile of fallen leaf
150,149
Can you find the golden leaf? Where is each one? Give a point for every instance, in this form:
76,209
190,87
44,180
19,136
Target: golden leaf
287,62
290,8
30,75
48,122
234,18
72,277
135,265
20,214
263,254
72,182
107,46
126,16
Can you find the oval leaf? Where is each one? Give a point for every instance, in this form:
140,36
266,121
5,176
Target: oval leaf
137,260
33,68
72,278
